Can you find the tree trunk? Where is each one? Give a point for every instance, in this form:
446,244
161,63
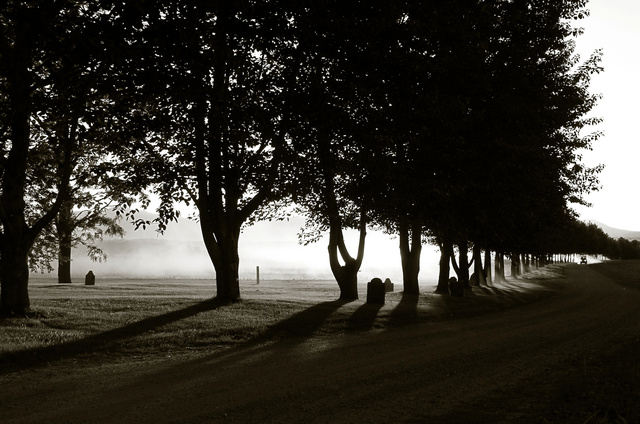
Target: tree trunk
64,228
515,265
64,264
499,267
14,274
445,268
486,272
222,248
16,242
346,275
462,267
478,271
227,277
16,238
410,233
526,263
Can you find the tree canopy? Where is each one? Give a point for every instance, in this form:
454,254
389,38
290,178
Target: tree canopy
458,123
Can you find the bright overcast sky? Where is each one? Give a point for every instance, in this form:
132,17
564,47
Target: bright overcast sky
614,26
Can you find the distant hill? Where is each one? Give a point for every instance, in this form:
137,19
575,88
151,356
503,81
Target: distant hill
616,233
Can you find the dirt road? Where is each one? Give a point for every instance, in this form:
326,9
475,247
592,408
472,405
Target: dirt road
497,367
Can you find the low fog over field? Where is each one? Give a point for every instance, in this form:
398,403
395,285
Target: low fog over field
179,253
273,246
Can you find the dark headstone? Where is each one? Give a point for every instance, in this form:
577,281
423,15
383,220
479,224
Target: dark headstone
388,285
375,291
90,279
455,287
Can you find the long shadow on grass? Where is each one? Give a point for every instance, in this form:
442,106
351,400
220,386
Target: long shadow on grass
364,317
406,312
291,331
303,324
102,342
279,340
282,344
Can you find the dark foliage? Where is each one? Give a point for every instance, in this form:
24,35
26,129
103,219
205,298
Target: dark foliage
458,123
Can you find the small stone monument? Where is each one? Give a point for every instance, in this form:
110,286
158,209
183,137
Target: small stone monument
388,285
455,287
90,279
375,291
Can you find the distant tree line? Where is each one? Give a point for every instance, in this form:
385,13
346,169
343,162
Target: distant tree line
589,239
456,123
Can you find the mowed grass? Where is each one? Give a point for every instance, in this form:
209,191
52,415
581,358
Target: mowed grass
133,318
120,319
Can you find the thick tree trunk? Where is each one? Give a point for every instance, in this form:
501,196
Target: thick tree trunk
478,272
410,233
227,276
16,242
65,234
222,248
499,267
14,274
515,265
486,272
445,268
346,275
64,264
16,238
462,267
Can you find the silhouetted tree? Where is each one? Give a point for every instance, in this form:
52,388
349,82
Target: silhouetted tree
27,65
488,107
523,165
104,167
219,76
336,141
427,81
61,94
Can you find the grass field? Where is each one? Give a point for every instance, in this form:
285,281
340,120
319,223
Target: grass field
137,320
119,319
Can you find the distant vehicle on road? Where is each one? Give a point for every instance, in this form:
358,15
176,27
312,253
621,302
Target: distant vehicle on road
583,260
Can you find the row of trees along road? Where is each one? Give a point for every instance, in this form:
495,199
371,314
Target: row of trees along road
458,124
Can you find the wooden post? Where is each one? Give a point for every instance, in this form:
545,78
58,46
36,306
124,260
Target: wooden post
257,275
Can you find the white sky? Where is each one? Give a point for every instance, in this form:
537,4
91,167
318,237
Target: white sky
614,26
